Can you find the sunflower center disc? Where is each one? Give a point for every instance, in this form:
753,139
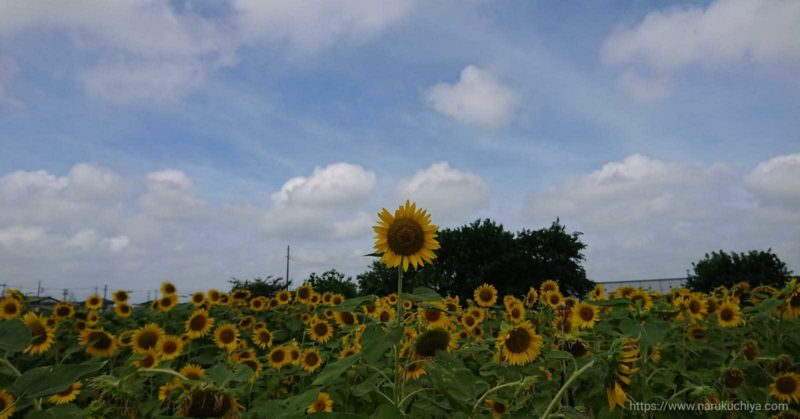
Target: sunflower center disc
786,385
518,340
406,237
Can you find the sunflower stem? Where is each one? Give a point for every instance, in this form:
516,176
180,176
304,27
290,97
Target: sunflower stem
496,388
165,371
564,388
398,322
10,366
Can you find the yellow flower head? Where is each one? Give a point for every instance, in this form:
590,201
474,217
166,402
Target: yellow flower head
407,237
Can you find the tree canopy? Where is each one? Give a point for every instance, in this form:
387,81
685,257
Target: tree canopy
333,281
260,286
757,267
485,251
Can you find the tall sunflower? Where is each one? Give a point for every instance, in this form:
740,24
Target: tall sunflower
311,360
485,295
123,310
193,371
168,288
729,314
94,302
120,296
63,311
169,347
279,357
66,396
262,338
406,238
584,315
319,330
10,308
519,345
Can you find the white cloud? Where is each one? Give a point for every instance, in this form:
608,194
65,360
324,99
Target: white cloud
317,205
642,89
21,236
450,194
308,28
477,98
646,218
171,195
777,180
727,32
150,51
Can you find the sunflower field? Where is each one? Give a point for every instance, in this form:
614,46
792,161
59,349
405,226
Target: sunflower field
301,353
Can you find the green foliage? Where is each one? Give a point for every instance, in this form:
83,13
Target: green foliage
511,262
334,282
726,269
43,381
14,336
260,286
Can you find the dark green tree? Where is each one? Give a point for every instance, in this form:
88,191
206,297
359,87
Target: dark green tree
484,251
757,267
260,286
333,281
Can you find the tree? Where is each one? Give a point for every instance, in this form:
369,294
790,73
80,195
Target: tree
484,251
756,267
266,287
334,282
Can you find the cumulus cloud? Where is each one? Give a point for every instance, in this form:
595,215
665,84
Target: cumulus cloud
477,98
310,205
726,32
643,89
182,48
449,193
646,218
777,180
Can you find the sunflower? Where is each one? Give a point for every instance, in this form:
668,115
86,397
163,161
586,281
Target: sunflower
259,304
553,298
697,306
434,316
283,297
469,321
146,338
515,313
733,378
616,396
641,299
42,336
279,357
169,347
212,296
247,322
120,296
415,369
434,340
729,315
406,238
598,293
485,295
167,302
204,402
323,403
310,360
786,388
496,408
98,342
345,318
750,350
627,356
123,310
199,324
303,293
294,352
348,350
7,405
10,308
548,285
92,318
519,345
193,371
63,311
584,315
226,336
198,298
319,330
149,359
531,297
337,299
167,288
93,302
164,392
385,314
262,338
66,396
697,333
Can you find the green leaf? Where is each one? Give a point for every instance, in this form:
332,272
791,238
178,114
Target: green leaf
387,411
14,336
421,294
223,374
560,355
376,343
335,369
43,381
353,303
613,302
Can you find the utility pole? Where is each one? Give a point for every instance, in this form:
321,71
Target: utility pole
105,292
287,266
148,295
39,288
95,290
4,289
64,294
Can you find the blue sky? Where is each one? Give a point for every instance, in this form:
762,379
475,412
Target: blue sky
150,140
